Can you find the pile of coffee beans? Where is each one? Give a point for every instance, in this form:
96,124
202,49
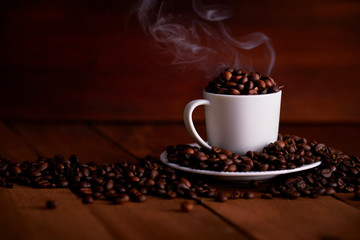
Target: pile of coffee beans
288,152
338,171
238,82
119,183
125,181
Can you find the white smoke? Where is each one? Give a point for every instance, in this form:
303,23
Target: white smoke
193,41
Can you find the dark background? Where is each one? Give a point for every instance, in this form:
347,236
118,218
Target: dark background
90,60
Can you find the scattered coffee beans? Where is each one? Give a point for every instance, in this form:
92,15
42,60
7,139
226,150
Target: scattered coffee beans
238,82
51,204
187,206
120,182
123,181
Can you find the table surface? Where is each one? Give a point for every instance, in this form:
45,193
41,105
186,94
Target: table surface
23,215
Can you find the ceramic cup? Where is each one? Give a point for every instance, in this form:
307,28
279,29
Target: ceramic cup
238,123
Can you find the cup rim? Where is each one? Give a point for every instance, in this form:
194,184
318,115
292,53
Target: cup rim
242,96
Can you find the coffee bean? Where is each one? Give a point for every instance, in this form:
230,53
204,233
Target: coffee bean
226,75
261,84
268,83
221,197
264,167
122,198
51,204
189,151
249,195
330,191
235,195
185,182
234,92
134,179
326,173
87,199
62,183
140,198
266,196
186,206
232,168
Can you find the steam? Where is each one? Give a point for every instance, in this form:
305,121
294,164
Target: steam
194,41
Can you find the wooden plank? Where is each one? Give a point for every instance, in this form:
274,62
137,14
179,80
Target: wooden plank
348,198
144,139
24,216
87,66
67,139
12,146
162,219
304,218
156,217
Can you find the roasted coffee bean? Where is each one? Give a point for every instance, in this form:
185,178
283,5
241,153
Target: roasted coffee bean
226,75
330,191
189,151
185,182
326,173
261,84
268,83
186,206
264,167
62,183
51,204
249,195
122,198
266,196
232,168
140,198
87,199
234,92
221,197
235,195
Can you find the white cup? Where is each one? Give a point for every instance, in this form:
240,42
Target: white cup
238,123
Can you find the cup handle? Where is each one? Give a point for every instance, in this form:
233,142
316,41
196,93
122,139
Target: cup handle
189,122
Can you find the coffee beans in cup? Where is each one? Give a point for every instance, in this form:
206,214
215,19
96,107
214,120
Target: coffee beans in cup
238,82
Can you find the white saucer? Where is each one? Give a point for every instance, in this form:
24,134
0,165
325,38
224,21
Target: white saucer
237,176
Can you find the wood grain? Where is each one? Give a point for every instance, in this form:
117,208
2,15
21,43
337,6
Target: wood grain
12,146
162,219
302,218
67,139
24,216
91,60
144,139
349,198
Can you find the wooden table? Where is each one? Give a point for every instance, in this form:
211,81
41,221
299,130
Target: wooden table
23,215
